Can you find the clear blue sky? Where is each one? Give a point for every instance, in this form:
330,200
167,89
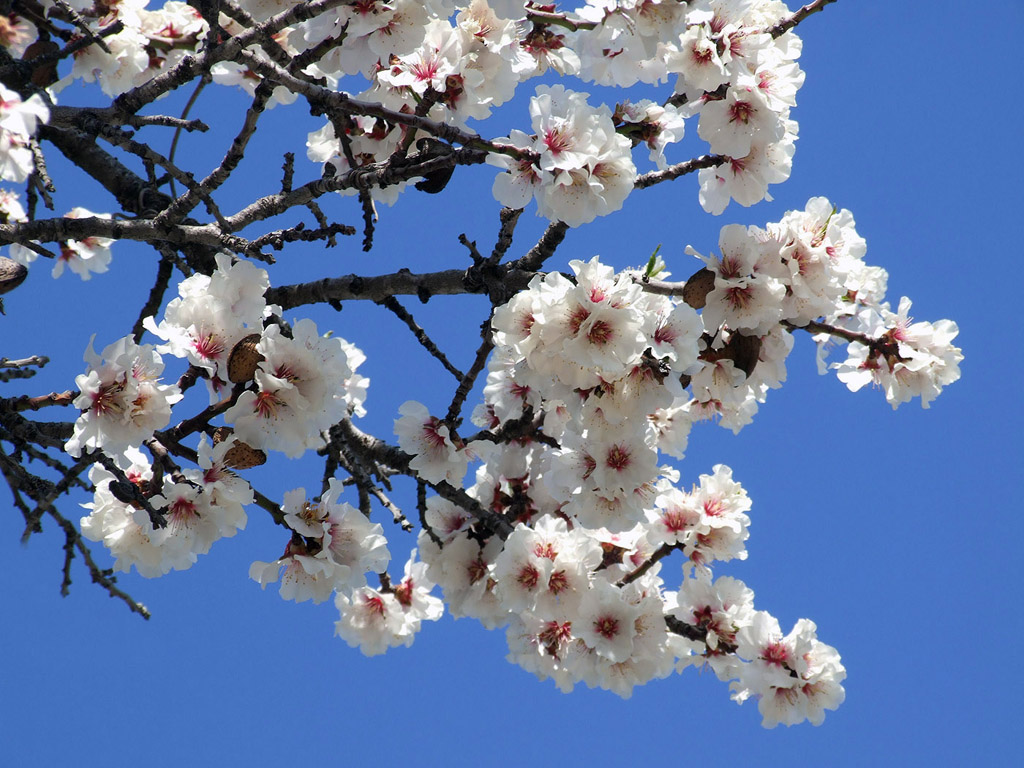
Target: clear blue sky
897,533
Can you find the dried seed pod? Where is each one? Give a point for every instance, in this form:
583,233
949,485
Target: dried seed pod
744,351
240,455
243,360
697,288
12,274
43,75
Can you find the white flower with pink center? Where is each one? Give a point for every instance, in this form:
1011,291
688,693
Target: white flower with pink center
722,528
746,179
112,521
672,332
697,61
304,576
370,620
909,359
794,677
435,457
429,66
211,315
121,400
413,594
623,462
730,125
584,168
21,116
720,608
521,570
675,517
607,622
227,493
84,257
445,519
464,570
300,391
351,541
339,534
748,293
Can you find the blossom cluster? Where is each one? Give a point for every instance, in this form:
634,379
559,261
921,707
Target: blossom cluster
592,377
298,383
121,399
808,267
197,508
453,63
588,362
332,548
279,386
729,71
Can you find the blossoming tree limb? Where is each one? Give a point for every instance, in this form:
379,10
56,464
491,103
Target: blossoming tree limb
568,529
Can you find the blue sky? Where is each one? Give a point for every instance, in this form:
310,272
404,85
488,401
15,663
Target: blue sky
896,532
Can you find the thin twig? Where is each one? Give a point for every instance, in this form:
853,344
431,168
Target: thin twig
391,303
661,552
467,382
680,169
164,271
791,21
544,249
203,82
508,217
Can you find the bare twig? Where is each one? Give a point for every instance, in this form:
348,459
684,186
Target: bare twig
164,271
469,379
799,15
544,249
509,217
391,303
680,169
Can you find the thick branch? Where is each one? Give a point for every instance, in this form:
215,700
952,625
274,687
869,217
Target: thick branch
377,288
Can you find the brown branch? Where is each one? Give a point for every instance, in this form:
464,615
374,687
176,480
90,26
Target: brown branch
339,449
508,217
469,379
164,272
73,117
83,26
392,304
196,192
660,553
77,44
132,193
376,450
105,578
329,100
378,287
680,169
189,67
19,369
544,249
789,22
832,330
26,403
